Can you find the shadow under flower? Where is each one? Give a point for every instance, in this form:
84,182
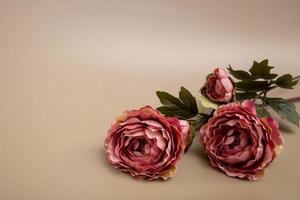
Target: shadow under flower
103,159
197,150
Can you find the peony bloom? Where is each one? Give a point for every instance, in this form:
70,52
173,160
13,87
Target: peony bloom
218,86
146,144
238,142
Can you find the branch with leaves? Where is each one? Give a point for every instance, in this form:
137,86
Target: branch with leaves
185,107
254,84
258,82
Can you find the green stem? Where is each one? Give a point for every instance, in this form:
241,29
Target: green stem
264,97
275,86
294,99
296,78
264,92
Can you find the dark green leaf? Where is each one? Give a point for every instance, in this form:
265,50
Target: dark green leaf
199,120
173,111
261,111
185,107
262,70
250,85
286,81
188,100
285,109
240,96
239,74
168,99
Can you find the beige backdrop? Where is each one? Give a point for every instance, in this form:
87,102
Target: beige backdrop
68,67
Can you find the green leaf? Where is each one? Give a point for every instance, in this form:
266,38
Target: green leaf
188,100
240,96
262,70
205,102
170,111
285,109
168,99
261,111
199,120
239,74
183,107
270,76
250,85
286,81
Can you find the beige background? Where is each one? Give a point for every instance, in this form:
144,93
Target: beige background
68,67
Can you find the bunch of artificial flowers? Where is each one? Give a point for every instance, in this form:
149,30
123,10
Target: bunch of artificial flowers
238,134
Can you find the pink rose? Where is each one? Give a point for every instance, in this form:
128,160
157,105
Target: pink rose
238,142
146,144
218,86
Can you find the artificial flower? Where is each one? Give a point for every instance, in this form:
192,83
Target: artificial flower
240,143
218,86
146,144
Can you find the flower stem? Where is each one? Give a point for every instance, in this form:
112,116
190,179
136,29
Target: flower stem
273,87
296,77
294,99
263,94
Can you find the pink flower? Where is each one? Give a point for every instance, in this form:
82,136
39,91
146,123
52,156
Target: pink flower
238,142
218,86
146,144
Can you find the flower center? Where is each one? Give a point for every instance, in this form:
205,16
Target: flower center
236,141
140,147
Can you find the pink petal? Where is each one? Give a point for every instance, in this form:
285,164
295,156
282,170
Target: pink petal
185,127
229,140
274,132
220,73
159,139
249,106
227,84
152,123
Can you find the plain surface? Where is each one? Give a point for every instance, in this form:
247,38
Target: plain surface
67,68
